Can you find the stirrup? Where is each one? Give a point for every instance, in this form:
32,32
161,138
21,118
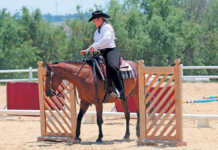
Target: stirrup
117,93
120,95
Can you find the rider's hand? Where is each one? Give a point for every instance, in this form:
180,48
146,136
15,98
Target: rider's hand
83,52
91,49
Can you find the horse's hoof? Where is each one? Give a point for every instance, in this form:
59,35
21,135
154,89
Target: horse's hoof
99,140
77,140
126,137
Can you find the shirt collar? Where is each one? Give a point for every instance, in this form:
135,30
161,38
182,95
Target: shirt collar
99,28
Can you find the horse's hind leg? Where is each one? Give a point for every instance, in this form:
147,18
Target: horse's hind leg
99,109
83,108
127,117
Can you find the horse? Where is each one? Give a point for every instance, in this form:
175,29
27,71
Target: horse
80,74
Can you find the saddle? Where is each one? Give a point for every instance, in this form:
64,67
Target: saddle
99,68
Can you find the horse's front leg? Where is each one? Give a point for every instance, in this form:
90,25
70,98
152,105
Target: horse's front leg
83,108
127,117
99,109
137,125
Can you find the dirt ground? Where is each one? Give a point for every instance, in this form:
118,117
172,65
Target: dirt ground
21,133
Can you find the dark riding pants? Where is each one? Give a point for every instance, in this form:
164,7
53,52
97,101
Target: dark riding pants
112,61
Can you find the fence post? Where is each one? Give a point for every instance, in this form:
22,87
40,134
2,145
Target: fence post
41,99
141,101
73,108
30,73
178,98
182,76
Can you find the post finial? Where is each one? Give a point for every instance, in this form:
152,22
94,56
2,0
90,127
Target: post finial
39,63
141,61
177,61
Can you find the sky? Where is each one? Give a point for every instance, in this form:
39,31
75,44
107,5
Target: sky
59,7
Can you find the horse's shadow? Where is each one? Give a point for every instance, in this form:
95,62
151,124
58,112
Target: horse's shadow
105,142
108,142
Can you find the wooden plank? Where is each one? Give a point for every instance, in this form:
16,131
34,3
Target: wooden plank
50,123
55,118
60,135
50,119
156,108
158,70
159,138
59,112
50,128
147,89
141,100
147,78
155,89
173,129
65,104
159,95
62,107
163,119
41,99
54,138
65,86
178,98
168,125
161,123
73,110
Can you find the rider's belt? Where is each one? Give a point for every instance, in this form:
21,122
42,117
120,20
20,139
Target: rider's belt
106,50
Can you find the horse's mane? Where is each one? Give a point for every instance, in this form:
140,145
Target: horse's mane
69,61
50,65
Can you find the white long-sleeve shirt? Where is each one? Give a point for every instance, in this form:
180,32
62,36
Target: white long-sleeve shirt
104,39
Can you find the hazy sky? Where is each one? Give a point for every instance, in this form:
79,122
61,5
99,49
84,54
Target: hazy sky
51,6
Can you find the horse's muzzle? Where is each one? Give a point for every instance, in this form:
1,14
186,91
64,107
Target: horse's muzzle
49,93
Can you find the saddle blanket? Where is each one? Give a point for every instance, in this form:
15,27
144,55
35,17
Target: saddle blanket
126,70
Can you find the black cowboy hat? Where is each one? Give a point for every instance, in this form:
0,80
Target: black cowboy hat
97,14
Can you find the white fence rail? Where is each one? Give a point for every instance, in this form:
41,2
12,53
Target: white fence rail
199,77
203,120
185,78
30,78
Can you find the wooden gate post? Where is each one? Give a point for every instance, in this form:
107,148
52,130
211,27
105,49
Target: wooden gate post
160,104
141,101
41,99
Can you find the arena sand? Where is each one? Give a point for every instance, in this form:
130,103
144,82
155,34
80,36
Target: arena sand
20,133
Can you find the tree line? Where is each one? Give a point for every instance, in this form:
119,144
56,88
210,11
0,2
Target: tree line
157,31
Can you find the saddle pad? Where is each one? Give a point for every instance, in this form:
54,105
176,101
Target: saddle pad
125,66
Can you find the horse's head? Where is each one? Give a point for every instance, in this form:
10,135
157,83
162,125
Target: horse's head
52,81
73,71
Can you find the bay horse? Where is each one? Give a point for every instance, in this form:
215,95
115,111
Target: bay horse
80,74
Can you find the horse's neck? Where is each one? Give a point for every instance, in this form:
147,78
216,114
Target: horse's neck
75,73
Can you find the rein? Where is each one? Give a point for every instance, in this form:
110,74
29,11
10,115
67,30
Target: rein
54,92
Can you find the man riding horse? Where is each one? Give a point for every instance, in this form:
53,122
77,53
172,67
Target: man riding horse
104,42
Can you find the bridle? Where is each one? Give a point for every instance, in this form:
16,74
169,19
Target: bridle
52,92
50,74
